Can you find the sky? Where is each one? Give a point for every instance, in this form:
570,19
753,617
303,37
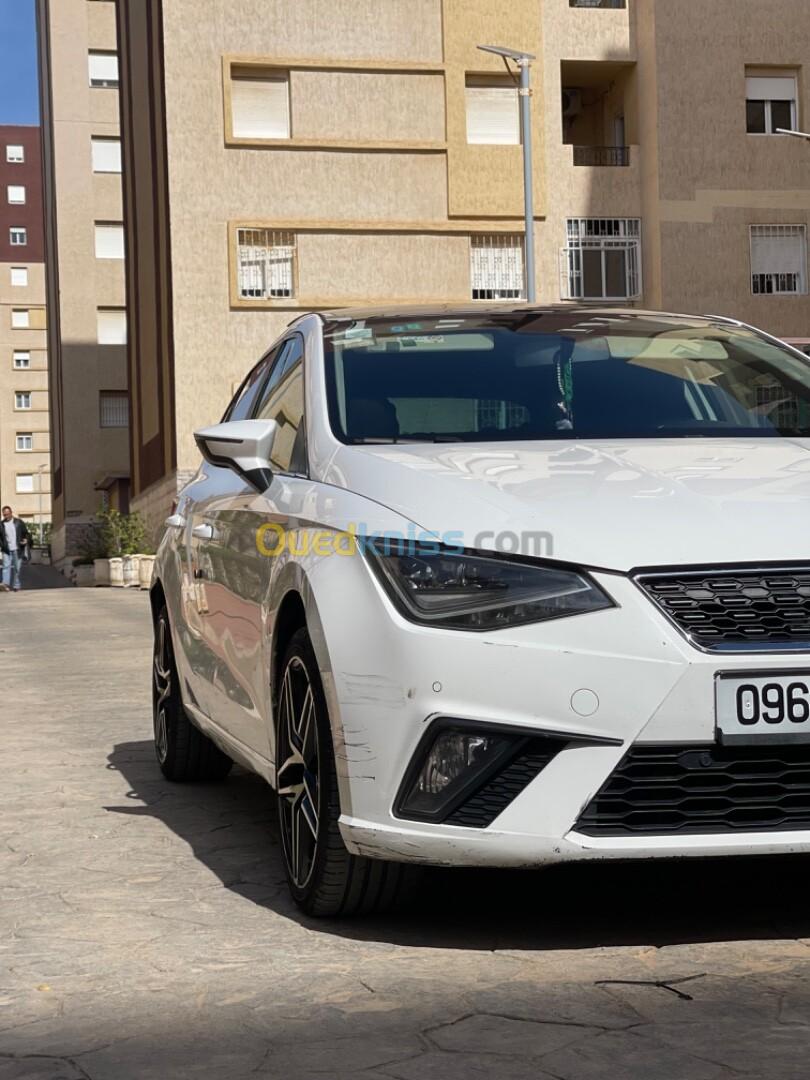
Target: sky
19,97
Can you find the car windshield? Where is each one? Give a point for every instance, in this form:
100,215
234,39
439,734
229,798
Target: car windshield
559,375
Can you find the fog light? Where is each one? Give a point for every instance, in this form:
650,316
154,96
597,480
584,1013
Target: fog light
455,761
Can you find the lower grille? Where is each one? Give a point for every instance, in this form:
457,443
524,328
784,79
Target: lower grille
702,789
483,807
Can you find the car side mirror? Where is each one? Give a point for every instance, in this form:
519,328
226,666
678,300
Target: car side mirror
242,445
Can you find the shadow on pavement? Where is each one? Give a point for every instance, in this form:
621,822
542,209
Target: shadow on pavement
232,829
42,576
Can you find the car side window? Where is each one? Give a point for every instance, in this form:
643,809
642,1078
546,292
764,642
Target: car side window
244,400
282,400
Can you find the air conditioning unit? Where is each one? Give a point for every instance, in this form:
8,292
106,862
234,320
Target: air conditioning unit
571,102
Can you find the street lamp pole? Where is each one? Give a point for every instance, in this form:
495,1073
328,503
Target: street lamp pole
795,134
41,521
523,61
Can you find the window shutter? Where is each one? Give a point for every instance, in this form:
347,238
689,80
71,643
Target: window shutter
492,115
109,241
112,326
780,88
103,68
261,108
20,319
16,193
778,250
19,275
106,155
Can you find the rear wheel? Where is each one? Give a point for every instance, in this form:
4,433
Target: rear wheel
183,752
324,879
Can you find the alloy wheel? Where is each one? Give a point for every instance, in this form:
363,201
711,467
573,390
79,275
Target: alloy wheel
162,688
298,779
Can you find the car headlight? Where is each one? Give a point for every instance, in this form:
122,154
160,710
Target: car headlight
461,591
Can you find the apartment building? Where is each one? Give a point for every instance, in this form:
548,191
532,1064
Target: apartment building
280,157
84,246
24,427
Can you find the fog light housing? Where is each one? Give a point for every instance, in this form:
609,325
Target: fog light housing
449,765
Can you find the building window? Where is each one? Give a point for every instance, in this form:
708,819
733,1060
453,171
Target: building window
265,264
493,115
25,483
771,103
17,236
15,154
106,155
496,267
22,359
260,104
24,441
103,68
16,194
113,409
109,241
19,275
22,399
602,259
112,326
779,259
20,318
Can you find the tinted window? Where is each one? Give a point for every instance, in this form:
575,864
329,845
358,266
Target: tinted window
283,401
561,375
244,400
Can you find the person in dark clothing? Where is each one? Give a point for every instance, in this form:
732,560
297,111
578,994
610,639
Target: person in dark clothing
15,546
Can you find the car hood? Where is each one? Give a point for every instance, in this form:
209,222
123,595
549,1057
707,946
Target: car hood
612,504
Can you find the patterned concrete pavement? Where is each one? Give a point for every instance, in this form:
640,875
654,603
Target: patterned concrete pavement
146,934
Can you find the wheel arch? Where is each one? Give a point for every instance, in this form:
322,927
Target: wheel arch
295,607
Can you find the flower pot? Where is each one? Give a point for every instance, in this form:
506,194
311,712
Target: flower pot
117,573
101,571
130,570
84,576
145,571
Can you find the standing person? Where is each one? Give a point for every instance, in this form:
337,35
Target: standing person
15,544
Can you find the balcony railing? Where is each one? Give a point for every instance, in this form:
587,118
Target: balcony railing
598,3
601,155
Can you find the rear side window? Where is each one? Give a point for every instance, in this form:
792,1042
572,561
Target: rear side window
282,400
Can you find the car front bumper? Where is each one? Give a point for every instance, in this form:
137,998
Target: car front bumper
645,684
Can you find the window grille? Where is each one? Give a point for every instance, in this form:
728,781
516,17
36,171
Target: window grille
113,409
602,259
496,267
265,264
779,259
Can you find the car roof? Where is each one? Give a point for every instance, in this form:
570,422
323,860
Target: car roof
483,311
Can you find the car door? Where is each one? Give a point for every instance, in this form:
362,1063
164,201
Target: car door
211,486
235,570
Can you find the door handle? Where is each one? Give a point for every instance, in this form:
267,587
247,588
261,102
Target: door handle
175,521
203,531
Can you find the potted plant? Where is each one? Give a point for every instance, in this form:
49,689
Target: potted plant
121,537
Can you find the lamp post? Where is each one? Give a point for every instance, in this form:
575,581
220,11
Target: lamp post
41,521
523,61
795,134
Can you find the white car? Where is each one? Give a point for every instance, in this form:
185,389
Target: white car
498,586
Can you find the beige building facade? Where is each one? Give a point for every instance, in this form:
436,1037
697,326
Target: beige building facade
280,157
84,241
25,472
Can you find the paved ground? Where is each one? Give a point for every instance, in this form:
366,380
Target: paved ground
145,931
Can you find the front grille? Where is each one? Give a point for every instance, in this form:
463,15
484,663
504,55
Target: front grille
483,807
703,789
736,609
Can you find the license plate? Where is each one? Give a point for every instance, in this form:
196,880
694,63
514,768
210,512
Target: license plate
771,706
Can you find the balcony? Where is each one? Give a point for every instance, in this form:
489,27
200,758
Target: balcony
614,5
602,156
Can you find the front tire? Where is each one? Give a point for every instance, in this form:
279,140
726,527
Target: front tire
324,879
183,752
